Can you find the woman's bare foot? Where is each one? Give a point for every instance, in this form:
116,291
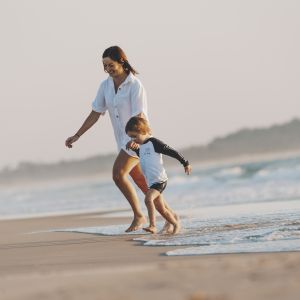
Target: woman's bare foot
151,229
176,228
136,224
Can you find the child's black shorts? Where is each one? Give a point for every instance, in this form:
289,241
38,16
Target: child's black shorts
159,186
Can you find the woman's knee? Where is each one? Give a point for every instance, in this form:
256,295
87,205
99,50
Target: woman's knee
122,166
118,176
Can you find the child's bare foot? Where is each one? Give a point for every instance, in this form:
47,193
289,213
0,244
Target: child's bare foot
136,224
151,229
168,227
176,228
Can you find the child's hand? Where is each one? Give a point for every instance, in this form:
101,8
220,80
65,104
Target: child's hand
132,145
188,169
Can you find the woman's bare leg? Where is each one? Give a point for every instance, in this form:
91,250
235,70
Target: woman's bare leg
124,163
139,179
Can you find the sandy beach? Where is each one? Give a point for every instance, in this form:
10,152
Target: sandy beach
62,265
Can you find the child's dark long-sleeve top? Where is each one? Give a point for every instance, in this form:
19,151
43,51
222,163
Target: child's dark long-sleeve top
150,154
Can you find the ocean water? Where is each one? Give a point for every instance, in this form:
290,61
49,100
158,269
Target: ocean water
231,208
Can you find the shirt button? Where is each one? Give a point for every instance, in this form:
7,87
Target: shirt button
117,116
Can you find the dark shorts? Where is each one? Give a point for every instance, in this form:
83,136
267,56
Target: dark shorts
159,186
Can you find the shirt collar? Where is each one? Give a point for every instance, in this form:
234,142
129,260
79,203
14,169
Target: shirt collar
147,140
129,78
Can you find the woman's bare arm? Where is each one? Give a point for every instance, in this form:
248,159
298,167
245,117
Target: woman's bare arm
87,124
92,118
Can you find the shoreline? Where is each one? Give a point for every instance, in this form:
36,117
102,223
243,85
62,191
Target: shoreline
68,265
215,210
63,214
105,175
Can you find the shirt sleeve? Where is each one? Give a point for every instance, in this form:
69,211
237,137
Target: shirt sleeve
99,104
138,99
161,147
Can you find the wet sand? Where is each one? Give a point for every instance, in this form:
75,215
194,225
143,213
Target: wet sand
63,265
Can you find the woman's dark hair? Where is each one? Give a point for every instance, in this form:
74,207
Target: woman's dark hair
117,54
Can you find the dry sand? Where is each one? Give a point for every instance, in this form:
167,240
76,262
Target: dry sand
62,265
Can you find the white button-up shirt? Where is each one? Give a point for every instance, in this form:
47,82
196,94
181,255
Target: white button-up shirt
130,100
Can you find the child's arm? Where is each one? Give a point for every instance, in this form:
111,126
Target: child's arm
133,146
161,147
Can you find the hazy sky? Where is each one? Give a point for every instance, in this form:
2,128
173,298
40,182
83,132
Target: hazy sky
209,68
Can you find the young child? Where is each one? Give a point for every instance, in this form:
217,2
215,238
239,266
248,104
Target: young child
150,150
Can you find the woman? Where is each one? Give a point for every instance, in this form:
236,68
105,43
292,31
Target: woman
123,96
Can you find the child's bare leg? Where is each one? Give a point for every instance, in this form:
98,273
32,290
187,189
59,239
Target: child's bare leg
168,227
166,213
149,201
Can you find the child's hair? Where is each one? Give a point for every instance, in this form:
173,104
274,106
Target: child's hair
137,124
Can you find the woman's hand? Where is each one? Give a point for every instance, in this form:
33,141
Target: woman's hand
71,140
132,145
188,169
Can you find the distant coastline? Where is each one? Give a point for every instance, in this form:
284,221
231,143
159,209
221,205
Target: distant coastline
276,140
